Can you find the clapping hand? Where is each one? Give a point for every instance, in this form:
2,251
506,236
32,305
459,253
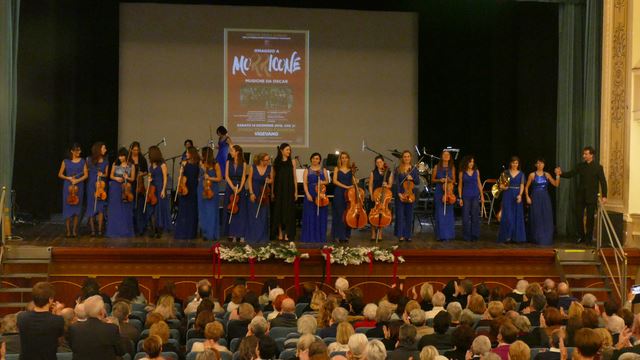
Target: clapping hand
558,171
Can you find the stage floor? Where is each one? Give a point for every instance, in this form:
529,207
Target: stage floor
51,233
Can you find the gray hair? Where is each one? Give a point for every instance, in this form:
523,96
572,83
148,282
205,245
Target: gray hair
522,323
467,317
342,284
80,311
418,317
428,353
426,291
369,311
375,350
10,323
358,345
258,325
94,306
273,294
438,299
339,315
481,345
589,300
522,286
207,354
454,309
307,324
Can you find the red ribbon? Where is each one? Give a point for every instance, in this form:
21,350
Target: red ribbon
327,273
252,268
396,253
217,261
370,255
296,274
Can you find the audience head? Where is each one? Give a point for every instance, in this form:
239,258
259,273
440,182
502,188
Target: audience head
590,319
522,323
519,351
318,350
94,307
589,301
246,312
288,306
417,317
342,284
438,299
356,304
495,309
553,317
81,313
508,333
575,309
277,303
42,294
205,304
441,322
429,353
476,304
605,336
426,292
248,349
273,294
369,311
548,285
307,324
208,354
214,331
611,307
375,350
161,329
467,317
237,294
563,289
391,329
317,299
627,317
267,348
538,302
9,324
407,334
121,310
258,326
587,342
552,298
462,337
554,339
339,315
615,324
357,346
152,345
455,310
344,332
497,294
509,304
521,286
326,309
204,289
481,345
483,290
90,287
203,318
394,295
302,348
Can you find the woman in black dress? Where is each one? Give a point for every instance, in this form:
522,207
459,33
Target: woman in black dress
285,192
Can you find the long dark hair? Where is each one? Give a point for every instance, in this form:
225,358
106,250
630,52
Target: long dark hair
239,155
193,152
450,164
122,152
207,156
73,147
155,155
95,152
464,163
514,158
281,148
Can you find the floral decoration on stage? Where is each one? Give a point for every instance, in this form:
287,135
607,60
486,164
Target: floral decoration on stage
243,253
346,255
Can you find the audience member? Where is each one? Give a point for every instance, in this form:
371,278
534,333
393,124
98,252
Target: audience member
480,346
375,350
237,294
587,343
203,291
343,333
267,348
426,293
162,330
391,333
287,316
248,349
258,327
518,293
519,351
238,328
129,290
507,335
462,338
455,310
357,346
39,329
418,320
338,315
440,339
95,339
564,296
438,301
213,332
152,346
121,311
369,314
10,335
406,343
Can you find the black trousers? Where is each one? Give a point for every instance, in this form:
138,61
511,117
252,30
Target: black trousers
589,203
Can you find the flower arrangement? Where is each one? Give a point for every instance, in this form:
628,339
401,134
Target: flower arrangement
346,255
242,253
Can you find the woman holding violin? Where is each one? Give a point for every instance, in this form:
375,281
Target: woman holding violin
121,197
97,165
444,176
187,219
315,207
407,177
512,222
471,196
208,199
259,184
285,192
235,200
142,169
343,180
73,171
380,182
156,205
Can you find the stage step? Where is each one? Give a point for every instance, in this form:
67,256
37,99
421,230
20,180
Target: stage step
26,261
586,262
591,289
26,275
584,276
13,305
15,290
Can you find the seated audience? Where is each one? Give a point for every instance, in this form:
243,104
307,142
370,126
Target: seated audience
357,346
237,295
306,325
519,351
462,338
248,348
587,344
343,333
92,337
338,315
518,293
554,347
267,348
506,336
204,317
238,328
418,320
213,332
391,332
369,313
564,296
121,311
10,335
480,346
152,346
406,343
203,291
258,327
455,310
426,293
287,316
438,301
162,330
375,350
440,339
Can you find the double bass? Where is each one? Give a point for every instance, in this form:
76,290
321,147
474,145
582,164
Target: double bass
380,215
355,216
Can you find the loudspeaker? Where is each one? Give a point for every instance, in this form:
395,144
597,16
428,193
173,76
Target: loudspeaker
618,226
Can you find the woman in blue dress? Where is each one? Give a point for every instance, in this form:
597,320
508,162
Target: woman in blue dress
512,221
224,143
443,174
209,208
73,171
404,208
187,219
159,214
343,180
235,224
98,166
142,169
314,217
380,176
120,212
471,196
540,212
260,176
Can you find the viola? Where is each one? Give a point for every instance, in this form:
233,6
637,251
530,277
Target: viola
127,192
182,186
265,199
355,217
151,198
321,200
72,197
232,207
408,196
380,216
207,191
100,193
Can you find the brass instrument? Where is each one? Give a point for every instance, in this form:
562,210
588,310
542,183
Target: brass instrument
503,181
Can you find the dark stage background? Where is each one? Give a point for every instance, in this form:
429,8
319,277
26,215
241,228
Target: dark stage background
487,82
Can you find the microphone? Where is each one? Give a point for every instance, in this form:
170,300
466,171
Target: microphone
364,145
164,141
417,150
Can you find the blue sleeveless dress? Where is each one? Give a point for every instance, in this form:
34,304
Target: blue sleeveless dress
187,219
258,228
512,222
540,212
445,223
470,206
119,213
209,209
238,225
160,212
340,230
314,222
75,170
404,211
99,205
223,155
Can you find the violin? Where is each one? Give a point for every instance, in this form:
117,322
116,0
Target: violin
321,199
380,216
207,191
127,192
140,189
72,197
151,198
182,184
266,195
100,193
232,207
408,196
448,197
355,217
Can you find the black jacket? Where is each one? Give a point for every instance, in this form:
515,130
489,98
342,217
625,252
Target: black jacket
95,340
590,175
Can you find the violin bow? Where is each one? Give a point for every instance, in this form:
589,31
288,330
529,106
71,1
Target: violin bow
444,196
264,187
318,195
146,195
233,203
413,167
95,194
384,176
178,185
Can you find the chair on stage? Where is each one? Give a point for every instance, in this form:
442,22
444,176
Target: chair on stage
488,199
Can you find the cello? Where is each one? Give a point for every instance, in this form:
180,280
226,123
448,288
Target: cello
355,216
380,216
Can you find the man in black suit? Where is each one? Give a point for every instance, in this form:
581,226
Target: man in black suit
590,175
538,302
238,328
287,316
94,339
